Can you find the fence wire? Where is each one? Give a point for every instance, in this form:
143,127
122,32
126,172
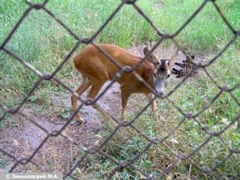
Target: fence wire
71,173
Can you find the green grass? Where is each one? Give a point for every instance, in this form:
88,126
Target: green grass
43,43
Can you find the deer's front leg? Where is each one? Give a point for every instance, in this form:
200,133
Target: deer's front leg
150,96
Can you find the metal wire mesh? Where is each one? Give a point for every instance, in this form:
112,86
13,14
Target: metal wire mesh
119,165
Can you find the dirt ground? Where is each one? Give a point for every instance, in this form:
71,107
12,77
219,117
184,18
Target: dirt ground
24,138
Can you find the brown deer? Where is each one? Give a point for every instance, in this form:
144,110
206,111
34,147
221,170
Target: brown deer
96,69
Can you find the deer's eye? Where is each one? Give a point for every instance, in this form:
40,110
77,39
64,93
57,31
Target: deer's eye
168,75
167,62
154,74
158,63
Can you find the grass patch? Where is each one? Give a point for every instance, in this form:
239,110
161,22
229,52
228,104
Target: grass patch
44,43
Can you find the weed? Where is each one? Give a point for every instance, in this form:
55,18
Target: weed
43,43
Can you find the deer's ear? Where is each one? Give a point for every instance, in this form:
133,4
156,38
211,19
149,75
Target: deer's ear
151,58
173,57
145,50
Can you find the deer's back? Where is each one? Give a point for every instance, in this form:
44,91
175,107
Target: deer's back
91,63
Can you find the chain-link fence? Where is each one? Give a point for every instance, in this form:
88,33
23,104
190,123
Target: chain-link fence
178,156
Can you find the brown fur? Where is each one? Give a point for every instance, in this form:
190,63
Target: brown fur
96,69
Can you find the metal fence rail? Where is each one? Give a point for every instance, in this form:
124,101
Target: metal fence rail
156,141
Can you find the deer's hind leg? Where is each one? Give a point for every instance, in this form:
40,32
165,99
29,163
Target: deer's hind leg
95,88
125,93
80,90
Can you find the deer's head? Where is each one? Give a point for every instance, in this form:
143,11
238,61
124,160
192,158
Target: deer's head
162,69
